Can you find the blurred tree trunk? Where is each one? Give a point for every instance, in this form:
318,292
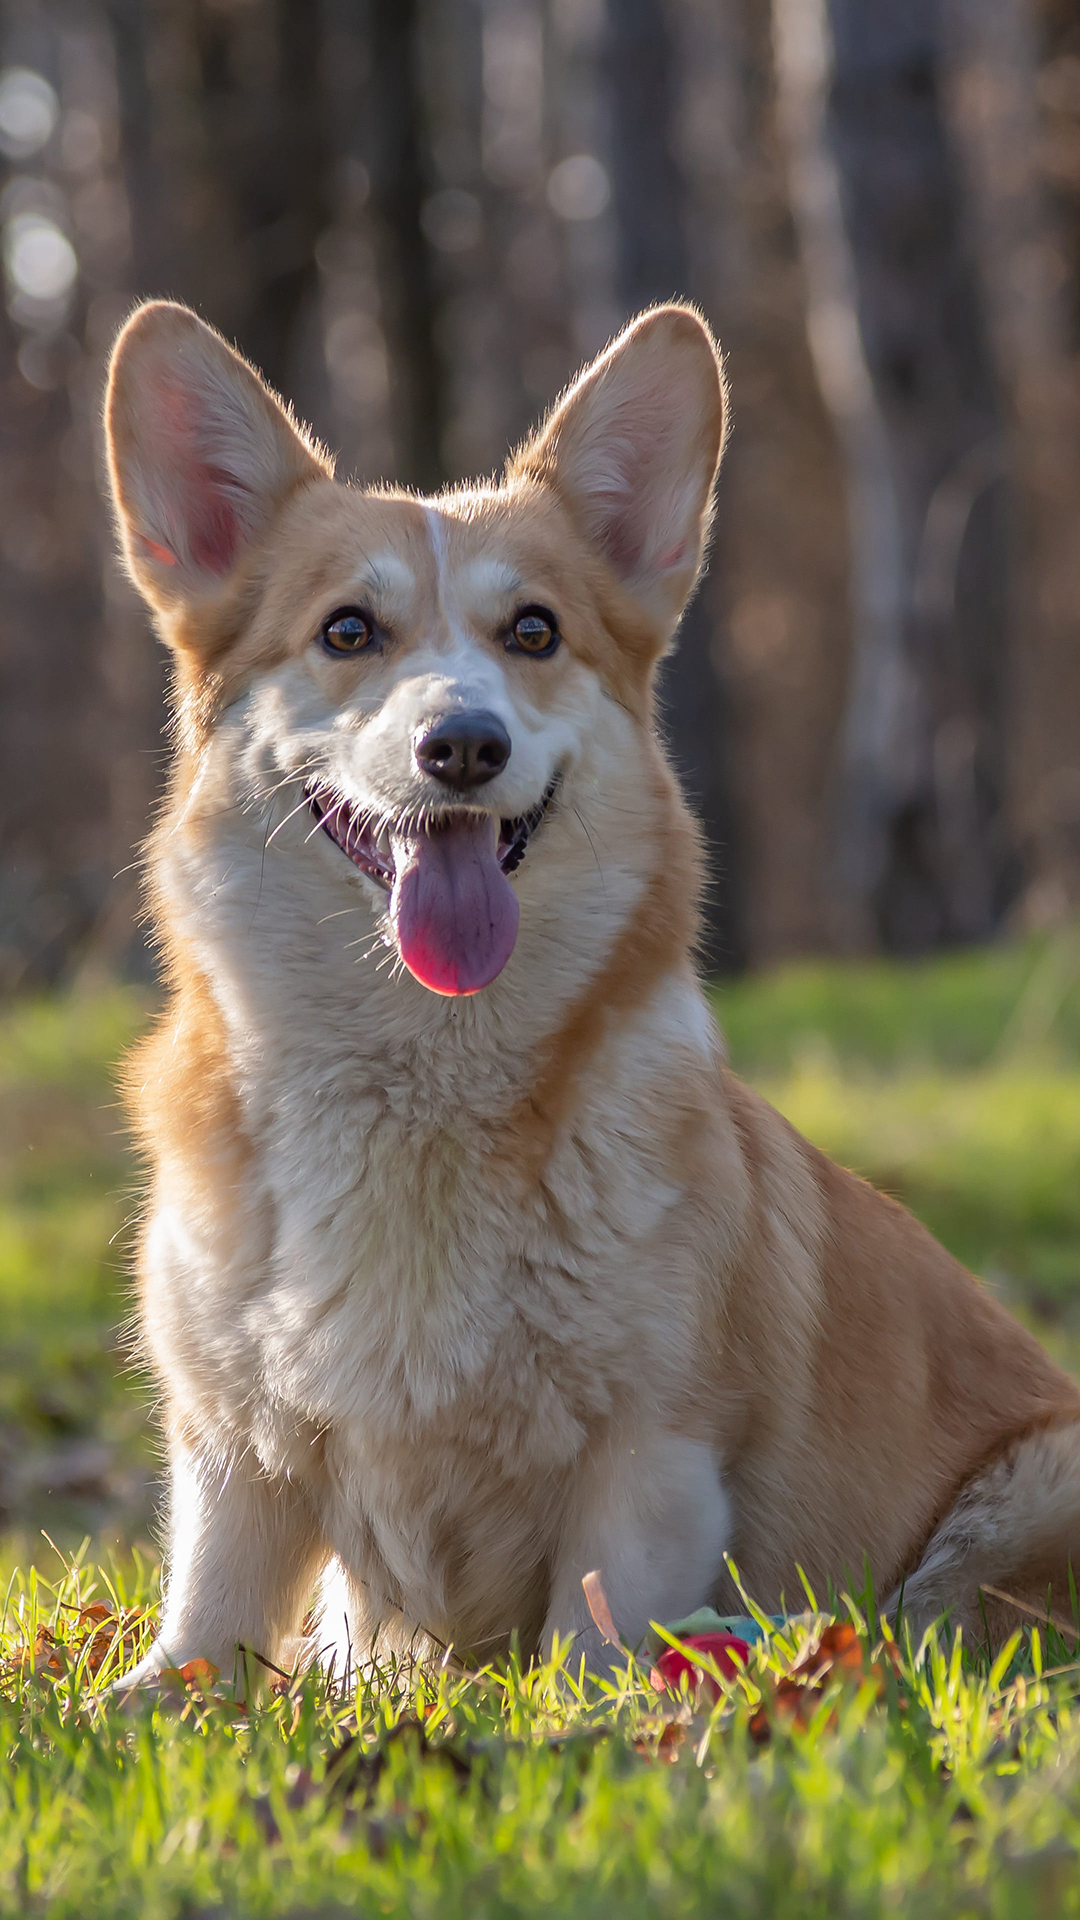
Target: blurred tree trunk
53,781
398,167
464,217
895,328
55,720
1026,276
491,96
778,587
653,263
225,144
941,870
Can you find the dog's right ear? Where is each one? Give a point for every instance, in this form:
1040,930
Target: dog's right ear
201,455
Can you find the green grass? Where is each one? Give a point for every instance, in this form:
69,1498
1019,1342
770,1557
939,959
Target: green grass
952,1790
75,1446
968,1010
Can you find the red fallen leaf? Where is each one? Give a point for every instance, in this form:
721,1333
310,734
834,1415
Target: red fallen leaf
666,1745
759,1727
198,1673
839,1653
838,1650
101,1645
726,1649
102,1632
671,1739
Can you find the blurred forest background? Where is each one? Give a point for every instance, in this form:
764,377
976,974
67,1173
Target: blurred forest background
419,216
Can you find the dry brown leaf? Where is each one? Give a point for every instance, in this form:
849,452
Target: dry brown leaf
596,1599
48,1657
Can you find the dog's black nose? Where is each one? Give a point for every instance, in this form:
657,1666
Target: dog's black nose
463,750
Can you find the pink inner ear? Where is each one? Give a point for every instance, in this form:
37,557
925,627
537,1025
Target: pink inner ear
213,526
621,540
164,556
202,490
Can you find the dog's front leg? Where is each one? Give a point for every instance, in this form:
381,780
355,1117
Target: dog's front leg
245,1551
650,1514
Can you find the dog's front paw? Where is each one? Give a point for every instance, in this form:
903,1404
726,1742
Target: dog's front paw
138,1683
162,1671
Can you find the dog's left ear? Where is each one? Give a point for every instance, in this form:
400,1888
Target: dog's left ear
633,449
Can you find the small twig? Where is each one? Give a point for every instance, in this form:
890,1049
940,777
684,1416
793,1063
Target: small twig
1042,1615
264,1662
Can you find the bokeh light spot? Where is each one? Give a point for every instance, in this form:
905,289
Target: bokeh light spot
40,260
28,112
578,188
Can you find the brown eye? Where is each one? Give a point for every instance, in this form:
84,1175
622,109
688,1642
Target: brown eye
347,631
534,631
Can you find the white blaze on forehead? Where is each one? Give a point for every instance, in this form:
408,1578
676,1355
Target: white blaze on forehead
476,588
436,526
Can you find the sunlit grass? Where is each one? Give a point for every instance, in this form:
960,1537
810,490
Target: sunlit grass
948,1787
71,1417
963,1010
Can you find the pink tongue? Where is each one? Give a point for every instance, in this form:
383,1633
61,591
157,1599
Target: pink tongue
454,911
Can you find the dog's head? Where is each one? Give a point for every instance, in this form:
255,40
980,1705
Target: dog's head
424,689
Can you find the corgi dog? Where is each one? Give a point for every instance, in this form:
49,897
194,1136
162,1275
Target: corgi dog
469,1267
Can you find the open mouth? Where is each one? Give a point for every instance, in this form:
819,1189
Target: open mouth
452,908
370,843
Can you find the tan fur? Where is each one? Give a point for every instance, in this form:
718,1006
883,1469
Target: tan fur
470,1296
914,1376
656,942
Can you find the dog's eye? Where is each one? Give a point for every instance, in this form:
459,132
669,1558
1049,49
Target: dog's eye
347,631
534,631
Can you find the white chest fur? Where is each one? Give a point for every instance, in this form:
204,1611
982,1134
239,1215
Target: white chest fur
413,1333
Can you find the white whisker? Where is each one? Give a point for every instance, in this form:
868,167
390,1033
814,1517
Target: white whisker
293,811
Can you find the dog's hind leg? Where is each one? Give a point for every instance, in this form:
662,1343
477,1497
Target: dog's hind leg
1015,1525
